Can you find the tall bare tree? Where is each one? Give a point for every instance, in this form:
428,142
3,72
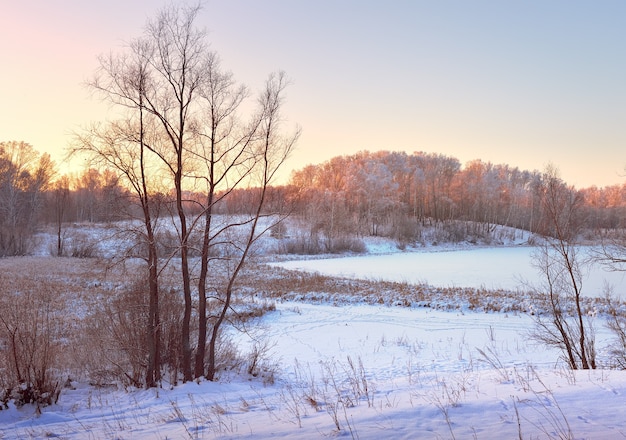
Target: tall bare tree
223,152
179,67
125,146
183,112
266,152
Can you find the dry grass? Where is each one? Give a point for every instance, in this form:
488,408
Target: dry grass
102,306
70,291
274,282
74,275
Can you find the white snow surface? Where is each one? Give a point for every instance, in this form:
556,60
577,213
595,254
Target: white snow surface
361,372
506,267
380,372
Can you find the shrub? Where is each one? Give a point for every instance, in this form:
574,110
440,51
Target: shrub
279,230
31,328
15,241
303,245
406,231
82,246
346,244
617,325
116,330
75,244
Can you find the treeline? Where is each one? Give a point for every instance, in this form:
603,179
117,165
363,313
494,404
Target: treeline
33,194
25,178
395,194
390,194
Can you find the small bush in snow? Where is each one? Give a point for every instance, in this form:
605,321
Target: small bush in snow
31,330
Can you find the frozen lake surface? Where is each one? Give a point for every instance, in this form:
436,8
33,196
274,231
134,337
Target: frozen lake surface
508,268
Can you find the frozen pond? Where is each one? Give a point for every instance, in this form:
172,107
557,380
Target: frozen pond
492,268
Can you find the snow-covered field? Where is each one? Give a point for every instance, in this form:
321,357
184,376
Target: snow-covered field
362,372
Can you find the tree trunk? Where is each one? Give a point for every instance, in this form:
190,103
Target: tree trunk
202,297
184,265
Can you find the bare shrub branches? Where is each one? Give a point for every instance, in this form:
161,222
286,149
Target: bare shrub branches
559,262
31,330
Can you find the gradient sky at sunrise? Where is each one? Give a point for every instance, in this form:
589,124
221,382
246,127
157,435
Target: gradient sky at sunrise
525,83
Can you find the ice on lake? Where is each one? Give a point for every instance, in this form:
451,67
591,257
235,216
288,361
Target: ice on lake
508,268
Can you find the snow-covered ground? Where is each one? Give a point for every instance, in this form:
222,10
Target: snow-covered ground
362,372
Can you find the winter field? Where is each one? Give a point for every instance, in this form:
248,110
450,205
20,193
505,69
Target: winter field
334,364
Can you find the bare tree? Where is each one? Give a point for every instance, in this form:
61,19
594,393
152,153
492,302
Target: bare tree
24,177
124,147
269,152
561,265
128,158
179,66
196,104
61,195
612,255
182,113
224,154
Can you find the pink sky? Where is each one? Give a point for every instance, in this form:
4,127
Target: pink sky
524,84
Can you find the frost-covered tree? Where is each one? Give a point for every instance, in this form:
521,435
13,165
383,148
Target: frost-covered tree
25,175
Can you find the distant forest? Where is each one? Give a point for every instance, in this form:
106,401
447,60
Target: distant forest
393,194
386,193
